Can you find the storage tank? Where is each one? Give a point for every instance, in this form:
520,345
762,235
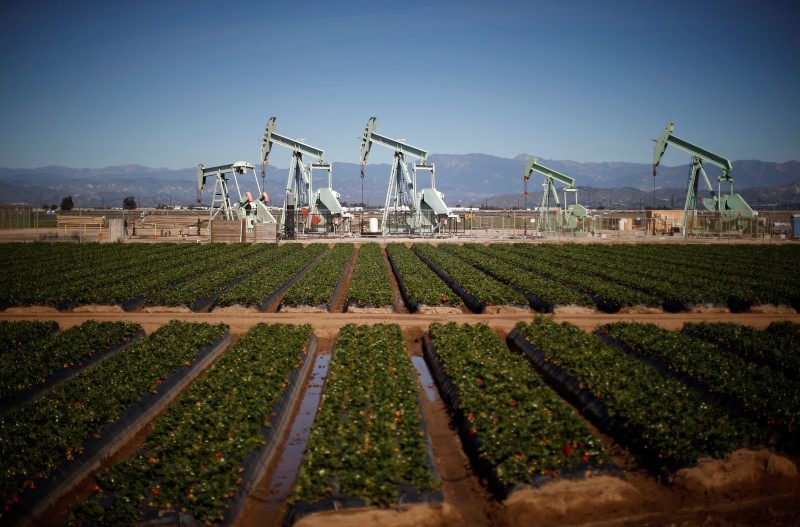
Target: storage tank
373,225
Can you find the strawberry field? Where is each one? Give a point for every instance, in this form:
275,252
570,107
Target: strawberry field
542,277
159,382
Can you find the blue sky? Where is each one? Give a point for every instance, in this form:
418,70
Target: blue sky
172,83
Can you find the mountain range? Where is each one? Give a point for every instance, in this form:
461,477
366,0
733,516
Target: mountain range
466,180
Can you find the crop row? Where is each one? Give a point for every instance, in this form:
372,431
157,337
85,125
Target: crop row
53,430
768,396
515,426
713,274
95,280
608,295
743,266
613,276
317,286
91,262
255,289
419,284
195,460
642,276
544,293
216,279
667,424
28,366
778,350
785,329
370,286
18,334
485,289
367,441
170,273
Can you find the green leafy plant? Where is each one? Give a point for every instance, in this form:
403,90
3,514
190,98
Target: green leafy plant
370,285
525,429
551,292
367,438
671,423
26,367
781,350
479,284
420,283
192,460
317,285
253,290
42,435
765,394
18,334
245,264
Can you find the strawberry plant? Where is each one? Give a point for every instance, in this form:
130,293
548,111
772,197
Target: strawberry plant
214,281
481,286
547,293
764,394
608,295
786,329
370,285
265,282
50,432
419,284
513,425
27,367
194,460
18,334
781,351
667,424
317,285
174,268
367,441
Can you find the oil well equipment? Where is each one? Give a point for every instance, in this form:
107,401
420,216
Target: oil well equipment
248,208
305,210
570,218
408,209
732,211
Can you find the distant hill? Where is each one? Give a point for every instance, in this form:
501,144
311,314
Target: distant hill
468,179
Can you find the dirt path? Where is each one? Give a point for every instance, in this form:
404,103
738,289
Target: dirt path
340,295
399,305
329,323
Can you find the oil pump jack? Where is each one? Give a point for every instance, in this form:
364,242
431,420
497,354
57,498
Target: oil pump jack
415,211
304,209
572,217
247,208
731,208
